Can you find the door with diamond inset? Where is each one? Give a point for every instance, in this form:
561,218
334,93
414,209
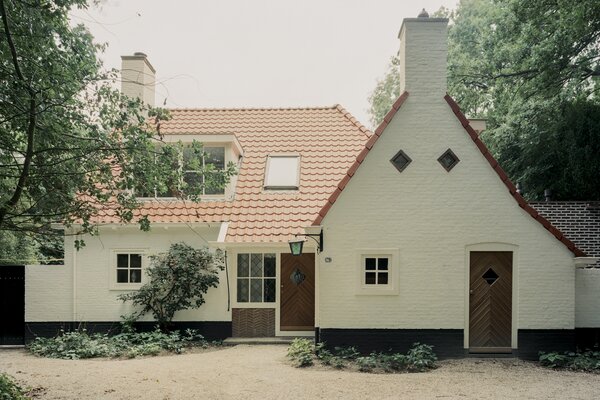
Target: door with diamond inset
490,302
297,292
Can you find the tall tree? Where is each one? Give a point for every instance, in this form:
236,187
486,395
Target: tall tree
70,143
532,69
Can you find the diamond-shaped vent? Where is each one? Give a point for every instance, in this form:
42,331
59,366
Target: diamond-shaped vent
448,160
490,276
400,161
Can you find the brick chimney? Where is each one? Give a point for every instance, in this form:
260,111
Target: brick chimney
138,77
423,55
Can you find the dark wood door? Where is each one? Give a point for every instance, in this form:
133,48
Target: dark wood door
12,304
297,292
490,304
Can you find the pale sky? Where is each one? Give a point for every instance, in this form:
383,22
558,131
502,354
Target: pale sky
259,53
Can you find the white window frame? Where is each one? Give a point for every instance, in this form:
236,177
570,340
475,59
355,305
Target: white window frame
296,184
114,285
266,304
392,287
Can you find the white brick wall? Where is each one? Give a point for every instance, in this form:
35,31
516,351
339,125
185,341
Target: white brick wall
49,294
431,216
587,299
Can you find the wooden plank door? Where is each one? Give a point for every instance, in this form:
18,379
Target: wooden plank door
12,305
297,311
490,302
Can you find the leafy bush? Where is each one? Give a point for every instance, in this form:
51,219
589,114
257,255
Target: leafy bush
582,361
301,352
80,344
419,358
178,281
9,389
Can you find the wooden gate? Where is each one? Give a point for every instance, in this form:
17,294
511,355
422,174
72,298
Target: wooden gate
490,303
297,292
12,305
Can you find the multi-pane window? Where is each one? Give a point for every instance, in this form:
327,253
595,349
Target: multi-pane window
376,270
256,278
194,164
129,268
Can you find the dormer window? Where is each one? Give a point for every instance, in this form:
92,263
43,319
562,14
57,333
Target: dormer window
211,160
282,172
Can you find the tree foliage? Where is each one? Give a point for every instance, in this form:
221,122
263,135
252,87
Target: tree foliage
70,143
178,280
531,69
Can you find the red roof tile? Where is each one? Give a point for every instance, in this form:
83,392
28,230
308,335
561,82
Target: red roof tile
328,138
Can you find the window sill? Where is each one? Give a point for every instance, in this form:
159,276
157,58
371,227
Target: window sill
255,305
377,292
125,287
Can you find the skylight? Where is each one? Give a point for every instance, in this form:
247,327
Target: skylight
282,172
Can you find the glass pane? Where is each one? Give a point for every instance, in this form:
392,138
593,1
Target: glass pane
122,275
270,265
269,287
256,290
215,156
192,159
215,184
383,263
256,265
242,290
242,266
370,264
382,278
135,275
135,261
283,171
122,260
370,278
192,180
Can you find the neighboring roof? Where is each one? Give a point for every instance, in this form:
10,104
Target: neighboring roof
482,148
328,139
578,220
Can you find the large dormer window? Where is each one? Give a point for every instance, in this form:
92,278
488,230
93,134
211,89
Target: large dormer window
282,172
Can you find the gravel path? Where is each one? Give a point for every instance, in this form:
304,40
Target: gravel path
262,372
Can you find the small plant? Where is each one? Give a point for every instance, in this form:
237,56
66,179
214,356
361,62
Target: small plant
367,364
420,358
588,361
346,353
10,390
301,352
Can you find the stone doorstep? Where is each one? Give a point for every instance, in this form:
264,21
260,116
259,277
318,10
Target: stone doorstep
11,346
232,341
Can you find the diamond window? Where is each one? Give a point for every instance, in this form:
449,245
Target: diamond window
448,160
256,278
490,276
400,161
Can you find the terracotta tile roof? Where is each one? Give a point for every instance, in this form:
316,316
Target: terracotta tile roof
578,220
328,139
480,145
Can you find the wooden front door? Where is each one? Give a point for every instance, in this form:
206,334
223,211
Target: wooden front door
490,302
12,304
297,292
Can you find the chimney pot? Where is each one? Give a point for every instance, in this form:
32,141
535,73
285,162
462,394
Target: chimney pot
140,54
548,194
423,14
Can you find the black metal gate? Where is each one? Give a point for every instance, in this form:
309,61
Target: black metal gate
12,304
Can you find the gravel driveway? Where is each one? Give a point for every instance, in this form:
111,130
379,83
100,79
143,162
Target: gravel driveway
262,372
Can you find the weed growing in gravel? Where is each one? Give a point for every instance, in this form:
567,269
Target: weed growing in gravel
588,361
419,358
131,344
10,390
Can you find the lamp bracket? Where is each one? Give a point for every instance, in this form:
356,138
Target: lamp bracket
319,242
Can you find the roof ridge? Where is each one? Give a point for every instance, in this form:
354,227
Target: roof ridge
507,182
360,158
353,120
251,108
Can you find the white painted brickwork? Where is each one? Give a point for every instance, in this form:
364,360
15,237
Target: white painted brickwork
49,295
430,216
587,300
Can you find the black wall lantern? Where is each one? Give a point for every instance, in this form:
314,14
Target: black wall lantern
297,243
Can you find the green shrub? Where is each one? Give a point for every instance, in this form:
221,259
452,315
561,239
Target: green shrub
301,352
346,353
581,361
9,389
367,364
420,358
80,344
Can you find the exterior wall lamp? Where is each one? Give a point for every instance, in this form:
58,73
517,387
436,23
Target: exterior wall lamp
297,244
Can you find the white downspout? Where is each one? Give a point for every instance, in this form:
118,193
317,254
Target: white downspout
74,317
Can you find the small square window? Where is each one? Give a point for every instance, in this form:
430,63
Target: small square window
400,161
376,270
128,268
448,160
282,172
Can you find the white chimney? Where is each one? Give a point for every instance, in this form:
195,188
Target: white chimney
423,55
138,77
